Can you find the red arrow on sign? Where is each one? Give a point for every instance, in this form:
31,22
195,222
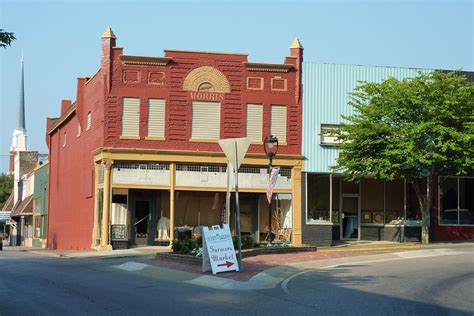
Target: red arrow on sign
226,264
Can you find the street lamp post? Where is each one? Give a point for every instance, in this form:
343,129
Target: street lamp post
270,145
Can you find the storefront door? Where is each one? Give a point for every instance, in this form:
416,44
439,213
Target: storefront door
142,222
350,228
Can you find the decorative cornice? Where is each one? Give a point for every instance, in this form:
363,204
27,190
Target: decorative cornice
268,67
203,52
146,60
62,118
115,150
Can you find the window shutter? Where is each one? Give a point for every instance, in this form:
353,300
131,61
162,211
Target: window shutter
278,122
254,122
156,118
206,120
131,117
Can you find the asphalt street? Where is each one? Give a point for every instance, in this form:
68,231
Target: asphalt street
424,283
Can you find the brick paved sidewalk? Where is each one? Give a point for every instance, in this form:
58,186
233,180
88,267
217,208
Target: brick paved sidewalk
257,264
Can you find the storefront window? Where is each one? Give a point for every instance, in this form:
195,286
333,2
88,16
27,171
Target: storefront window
394,202
413,211
350,187
318,191
372,201
100,206
37,226
336,186
457,201
44,222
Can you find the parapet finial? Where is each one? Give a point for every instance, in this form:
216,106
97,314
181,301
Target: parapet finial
108,33
296,43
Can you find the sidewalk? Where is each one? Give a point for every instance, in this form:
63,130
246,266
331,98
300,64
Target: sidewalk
253,266
71,254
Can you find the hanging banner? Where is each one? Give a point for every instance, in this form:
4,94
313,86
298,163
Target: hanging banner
274,173
218,250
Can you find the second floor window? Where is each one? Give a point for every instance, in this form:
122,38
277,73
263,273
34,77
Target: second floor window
278,122
206,121
130,117
156,118
254,122
64,140
89,121
327,139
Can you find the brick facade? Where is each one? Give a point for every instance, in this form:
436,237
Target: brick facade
72,161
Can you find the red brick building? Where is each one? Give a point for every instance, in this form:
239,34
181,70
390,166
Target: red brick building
139,147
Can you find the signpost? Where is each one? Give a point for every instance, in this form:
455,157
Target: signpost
218,250
4,216
235,150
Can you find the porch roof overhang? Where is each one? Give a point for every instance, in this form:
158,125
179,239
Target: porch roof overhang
24,208
8,206
136,154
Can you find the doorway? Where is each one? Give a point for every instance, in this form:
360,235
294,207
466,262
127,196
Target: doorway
349,217
142,222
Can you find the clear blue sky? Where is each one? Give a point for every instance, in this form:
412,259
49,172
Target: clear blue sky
61,40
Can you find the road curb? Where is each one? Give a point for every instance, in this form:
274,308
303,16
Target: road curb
382,248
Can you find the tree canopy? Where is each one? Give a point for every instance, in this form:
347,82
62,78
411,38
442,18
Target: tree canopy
415,129
6,38
6,187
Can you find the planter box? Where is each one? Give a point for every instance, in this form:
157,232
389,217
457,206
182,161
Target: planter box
246,253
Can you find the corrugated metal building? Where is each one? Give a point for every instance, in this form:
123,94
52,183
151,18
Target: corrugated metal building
326,95
334,209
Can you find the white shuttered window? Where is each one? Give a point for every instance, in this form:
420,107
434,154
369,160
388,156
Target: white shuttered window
254,122
156,118
278,122
206,120
131,117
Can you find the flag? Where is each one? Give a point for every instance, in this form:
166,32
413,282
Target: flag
274,173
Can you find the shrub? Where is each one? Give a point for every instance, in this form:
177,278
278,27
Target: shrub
247,242
186,245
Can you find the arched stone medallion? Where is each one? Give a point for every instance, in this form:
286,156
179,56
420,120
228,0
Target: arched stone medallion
206,79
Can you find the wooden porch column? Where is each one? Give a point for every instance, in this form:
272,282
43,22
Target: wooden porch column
172,185
95,228
104,238
296,239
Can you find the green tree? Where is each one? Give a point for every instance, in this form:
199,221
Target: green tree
6,187
417,129
6,38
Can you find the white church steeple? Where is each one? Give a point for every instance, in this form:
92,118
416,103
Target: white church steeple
19,133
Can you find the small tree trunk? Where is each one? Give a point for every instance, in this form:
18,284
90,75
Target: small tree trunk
425,225
424,201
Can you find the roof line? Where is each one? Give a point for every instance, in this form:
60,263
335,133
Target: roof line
63,118
203,52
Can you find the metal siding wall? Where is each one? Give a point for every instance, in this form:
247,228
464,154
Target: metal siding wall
325,97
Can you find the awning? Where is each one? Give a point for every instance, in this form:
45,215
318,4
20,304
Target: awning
8,206
6,209
25,208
